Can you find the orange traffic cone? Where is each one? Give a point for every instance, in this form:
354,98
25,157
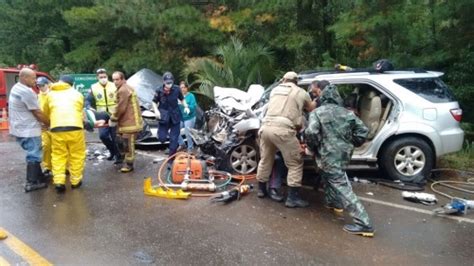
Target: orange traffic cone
4,120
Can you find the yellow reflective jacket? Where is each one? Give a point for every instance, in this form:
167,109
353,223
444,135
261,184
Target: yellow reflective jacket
63,107
105,97
42,99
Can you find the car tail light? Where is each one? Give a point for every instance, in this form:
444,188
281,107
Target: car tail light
457,114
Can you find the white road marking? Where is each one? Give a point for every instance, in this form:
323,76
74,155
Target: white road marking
414,209
371,200
408,208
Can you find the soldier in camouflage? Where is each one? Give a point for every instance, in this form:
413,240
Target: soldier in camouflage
332,133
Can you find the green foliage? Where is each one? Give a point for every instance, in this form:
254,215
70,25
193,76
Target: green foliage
177,36
233,65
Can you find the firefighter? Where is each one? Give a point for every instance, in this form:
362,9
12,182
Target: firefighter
103,96
64,106
128,118
282,121
43,84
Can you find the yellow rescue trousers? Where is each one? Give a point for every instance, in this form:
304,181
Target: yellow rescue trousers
69,149
46,145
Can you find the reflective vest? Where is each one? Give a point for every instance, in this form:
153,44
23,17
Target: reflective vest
105,98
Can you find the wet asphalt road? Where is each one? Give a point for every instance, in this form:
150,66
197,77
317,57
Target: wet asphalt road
109,221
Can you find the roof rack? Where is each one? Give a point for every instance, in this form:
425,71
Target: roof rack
314,73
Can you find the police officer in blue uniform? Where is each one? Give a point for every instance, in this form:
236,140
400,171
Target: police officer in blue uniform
166,98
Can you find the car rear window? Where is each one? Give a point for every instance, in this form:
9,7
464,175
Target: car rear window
431,89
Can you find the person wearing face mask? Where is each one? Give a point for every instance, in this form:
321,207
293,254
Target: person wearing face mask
103,97
43,85
166,106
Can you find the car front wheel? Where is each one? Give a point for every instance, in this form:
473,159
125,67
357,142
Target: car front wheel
243,159
407,159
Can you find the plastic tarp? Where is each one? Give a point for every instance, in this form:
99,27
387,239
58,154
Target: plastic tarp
145,83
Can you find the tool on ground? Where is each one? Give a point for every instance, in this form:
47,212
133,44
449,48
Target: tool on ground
186,172
233,194
420,197
456,206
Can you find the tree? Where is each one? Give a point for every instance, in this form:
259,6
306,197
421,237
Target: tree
35,31
233,65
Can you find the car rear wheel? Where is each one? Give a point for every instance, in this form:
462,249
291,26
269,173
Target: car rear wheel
407,159
243,159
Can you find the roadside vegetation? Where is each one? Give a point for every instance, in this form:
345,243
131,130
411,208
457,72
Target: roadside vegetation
464,159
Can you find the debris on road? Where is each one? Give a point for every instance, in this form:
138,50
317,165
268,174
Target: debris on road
420,197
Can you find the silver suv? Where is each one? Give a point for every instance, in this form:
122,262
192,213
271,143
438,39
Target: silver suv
412,118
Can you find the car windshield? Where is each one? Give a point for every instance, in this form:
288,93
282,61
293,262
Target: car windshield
431,89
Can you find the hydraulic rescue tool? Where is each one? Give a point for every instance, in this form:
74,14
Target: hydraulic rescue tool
456,206
188,173
233,194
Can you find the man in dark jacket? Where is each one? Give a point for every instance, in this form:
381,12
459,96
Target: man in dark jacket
332,133
166,98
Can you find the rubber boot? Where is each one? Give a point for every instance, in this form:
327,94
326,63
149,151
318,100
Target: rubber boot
118,159
127,168
60,188
78,185
42,177
262,189
357,229
33,177
275,195
294,200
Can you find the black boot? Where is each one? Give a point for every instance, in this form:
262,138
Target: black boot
41,175
60,189
78,185
33,177
275,195
118,159
128,167
48,174
294,200
357,229
262,189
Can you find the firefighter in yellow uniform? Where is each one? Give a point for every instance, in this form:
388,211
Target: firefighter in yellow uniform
103,97
64,109
43,84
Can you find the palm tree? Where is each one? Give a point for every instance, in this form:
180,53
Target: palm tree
232,65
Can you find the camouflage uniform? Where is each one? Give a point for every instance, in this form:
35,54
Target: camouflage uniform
332,133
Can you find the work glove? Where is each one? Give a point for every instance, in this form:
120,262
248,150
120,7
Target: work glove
112,123
186,110
308,152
